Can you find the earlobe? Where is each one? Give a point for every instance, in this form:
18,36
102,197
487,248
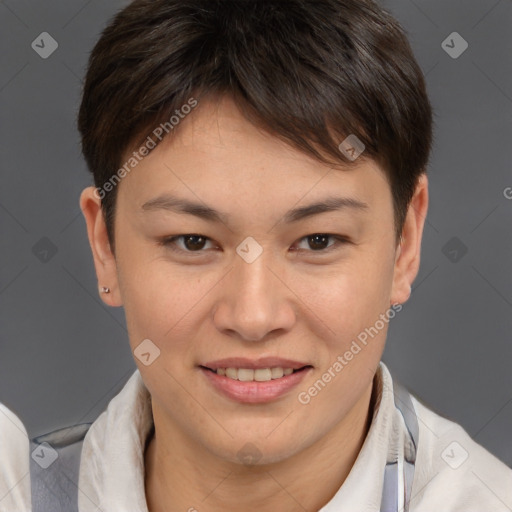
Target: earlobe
407,259
104,259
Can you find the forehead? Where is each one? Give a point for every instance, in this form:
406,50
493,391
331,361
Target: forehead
216,153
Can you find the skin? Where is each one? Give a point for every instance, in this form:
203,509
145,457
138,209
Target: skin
306,305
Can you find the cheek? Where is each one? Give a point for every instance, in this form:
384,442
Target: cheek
347,299
159,299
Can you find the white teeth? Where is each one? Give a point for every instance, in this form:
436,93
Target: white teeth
259,375
232,373
262,374
245,374
277,373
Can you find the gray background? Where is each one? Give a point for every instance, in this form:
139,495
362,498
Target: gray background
64,355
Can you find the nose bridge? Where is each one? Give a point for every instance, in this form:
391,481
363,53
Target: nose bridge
255,284
252,261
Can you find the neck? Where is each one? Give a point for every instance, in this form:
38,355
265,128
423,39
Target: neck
179,478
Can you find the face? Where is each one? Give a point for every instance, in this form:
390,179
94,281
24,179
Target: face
261,279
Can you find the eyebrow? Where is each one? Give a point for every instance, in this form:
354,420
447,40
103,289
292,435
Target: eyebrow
180,205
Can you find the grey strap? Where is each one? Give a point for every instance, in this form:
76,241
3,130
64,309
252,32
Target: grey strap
391,490
55,468
389,502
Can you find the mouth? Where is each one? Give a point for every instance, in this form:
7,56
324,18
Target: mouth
254,385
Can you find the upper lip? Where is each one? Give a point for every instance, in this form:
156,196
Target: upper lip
264,362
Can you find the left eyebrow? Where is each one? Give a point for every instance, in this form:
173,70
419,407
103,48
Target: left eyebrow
327,205
181,205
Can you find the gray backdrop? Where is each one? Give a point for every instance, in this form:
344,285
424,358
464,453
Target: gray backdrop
64,355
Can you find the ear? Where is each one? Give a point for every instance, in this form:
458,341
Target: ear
104,259
407,260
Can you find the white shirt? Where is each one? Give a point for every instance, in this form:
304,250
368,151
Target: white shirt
14,463
112,464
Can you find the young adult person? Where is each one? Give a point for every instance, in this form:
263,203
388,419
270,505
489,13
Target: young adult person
259,198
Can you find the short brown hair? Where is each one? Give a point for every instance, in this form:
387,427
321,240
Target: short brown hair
310,72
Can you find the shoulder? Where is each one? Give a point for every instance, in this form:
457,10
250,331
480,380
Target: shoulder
14,469
453,472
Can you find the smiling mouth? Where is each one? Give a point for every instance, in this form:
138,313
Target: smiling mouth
257,375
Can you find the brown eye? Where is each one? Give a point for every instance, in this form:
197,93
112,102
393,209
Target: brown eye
319,242
194,242
191,243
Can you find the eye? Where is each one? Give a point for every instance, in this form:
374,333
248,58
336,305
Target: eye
191,243
317,242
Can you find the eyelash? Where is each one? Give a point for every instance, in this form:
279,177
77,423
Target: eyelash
169,243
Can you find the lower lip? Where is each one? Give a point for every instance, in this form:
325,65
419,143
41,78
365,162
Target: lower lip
254,392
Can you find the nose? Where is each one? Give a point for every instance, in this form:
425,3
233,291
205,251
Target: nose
255,300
